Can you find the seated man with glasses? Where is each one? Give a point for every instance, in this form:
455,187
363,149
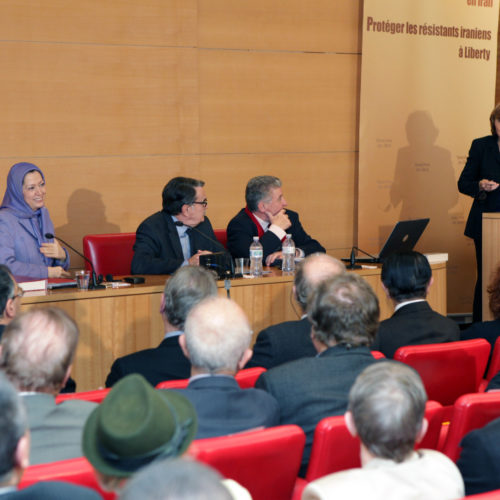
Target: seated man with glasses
166,241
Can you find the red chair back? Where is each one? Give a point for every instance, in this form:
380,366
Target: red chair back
378,355
75,470
489,495
266,462
110,253
246,379
470,412
448,370
94,396
334,448
221,236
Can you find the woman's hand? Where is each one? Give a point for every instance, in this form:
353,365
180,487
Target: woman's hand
53,250
58,272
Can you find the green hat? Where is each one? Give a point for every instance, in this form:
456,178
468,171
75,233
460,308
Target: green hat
135,425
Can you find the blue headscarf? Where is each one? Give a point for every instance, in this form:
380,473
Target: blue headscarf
13,201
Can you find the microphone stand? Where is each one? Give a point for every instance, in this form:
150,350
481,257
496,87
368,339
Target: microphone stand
94,284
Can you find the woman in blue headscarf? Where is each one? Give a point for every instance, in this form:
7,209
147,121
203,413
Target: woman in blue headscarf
24,221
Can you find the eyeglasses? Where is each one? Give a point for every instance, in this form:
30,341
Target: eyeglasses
204,203
20,293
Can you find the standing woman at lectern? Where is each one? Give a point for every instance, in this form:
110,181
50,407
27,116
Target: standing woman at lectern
24,221
480,179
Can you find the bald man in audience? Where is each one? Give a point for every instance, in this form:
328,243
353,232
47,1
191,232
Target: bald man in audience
291,340
386,410
14,455
37,352
216,339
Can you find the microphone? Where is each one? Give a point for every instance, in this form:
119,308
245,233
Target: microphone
179,223
352,260
94,285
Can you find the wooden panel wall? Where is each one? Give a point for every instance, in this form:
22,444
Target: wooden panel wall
111,99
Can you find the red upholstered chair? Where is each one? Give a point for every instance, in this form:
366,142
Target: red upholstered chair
76,471
110,253
470,412
94,396
378,355
246,379
489,495
494,366
221,236
448,370
266,462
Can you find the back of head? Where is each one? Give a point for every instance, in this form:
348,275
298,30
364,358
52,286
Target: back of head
494,293
217,335
184,289
387,403
38,347
179,191
406,275
178,479
13,423
344,310
311,271
6,287
136,425
258,189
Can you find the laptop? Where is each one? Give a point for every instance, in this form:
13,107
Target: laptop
403,238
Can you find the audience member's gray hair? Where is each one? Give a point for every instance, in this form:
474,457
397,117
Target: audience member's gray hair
217,334
387,402
13,423
178,479
344,310
38,347
184,289
258,189
311,271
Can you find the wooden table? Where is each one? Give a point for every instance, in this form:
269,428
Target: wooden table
115,322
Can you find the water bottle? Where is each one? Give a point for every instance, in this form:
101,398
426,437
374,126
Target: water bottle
256,255
288,250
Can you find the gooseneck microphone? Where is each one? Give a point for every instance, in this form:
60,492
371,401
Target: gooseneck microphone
93,285
218,243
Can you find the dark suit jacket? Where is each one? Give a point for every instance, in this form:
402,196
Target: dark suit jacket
52,490
488,330
483,163
281,343
157,248
414,324
165,362
310,389
241,230
479,461
223,408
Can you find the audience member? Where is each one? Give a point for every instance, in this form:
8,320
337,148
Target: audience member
181,479
37,351
10,297
344,313
386,410
134,426
165,241
265,216
406,279
14,455
188,286
488,330
291,340
479,461
216,340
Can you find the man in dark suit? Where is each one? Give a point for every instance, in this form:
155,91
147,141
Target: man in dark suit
37,352
10,297
183,290
265,216
406,279
344,313
479,461
166,241
291,340
14,455
216,339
